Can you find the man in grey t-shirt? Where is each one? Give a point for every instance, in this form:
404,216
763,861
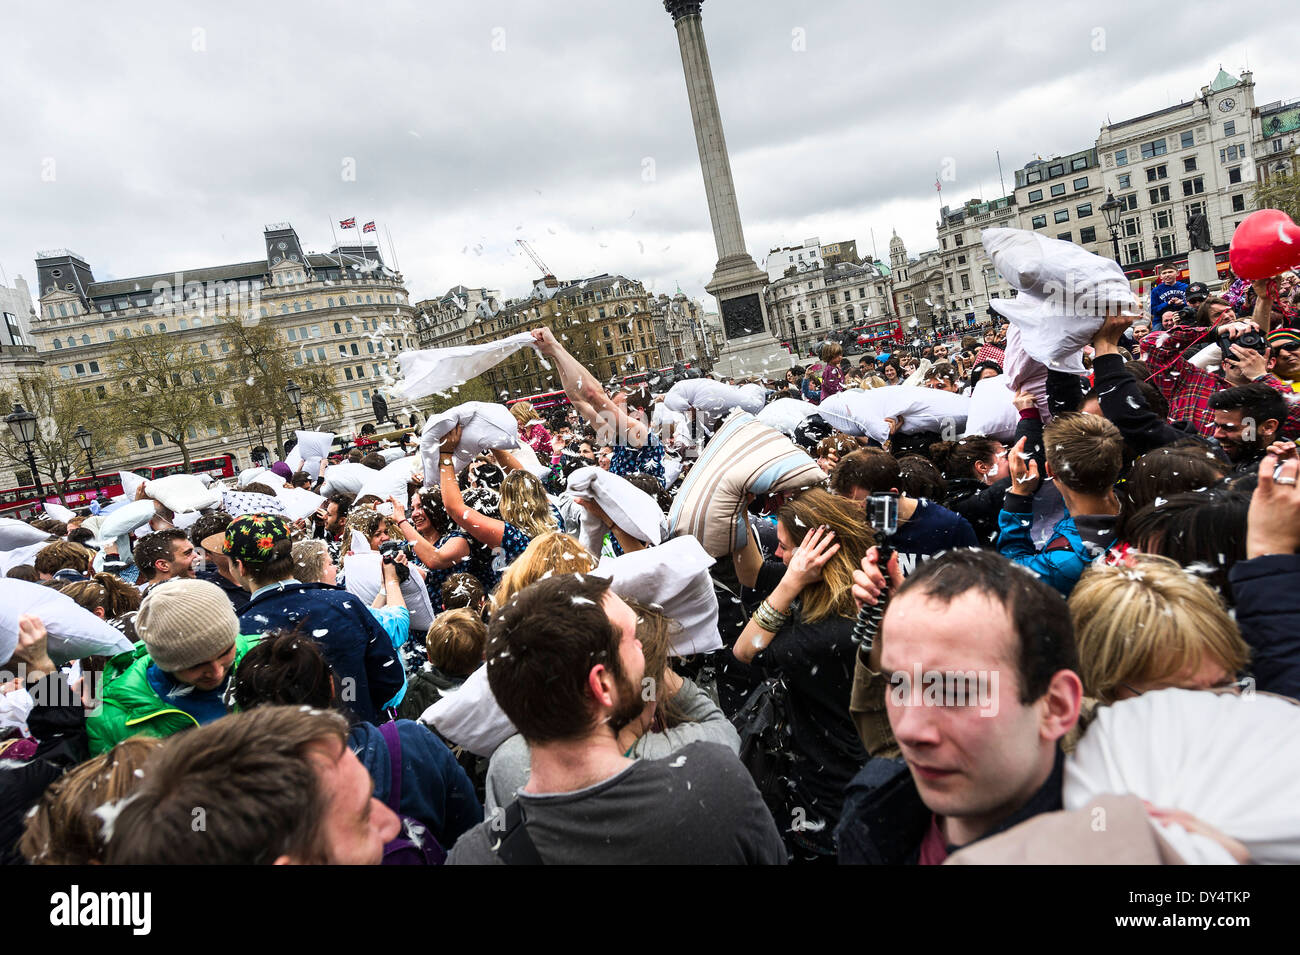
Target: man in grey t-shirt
565,665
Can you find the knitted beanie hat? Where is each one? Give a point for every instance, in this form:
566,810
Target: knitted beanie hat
185,622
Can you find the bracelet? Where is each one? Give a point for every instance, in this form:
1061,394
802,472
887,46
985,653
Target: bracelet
770,619
403,521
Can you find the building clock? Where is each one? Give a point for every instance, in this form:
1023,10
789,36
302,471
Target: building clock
1226,105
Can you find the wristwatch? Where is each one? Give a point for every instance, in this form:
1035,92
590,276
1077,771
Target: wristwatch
445,461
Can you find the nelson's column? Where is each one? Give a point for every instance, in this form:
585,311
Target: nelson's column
737,282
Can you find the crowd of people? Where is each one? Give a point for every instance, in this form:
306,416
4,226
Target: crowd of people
500,691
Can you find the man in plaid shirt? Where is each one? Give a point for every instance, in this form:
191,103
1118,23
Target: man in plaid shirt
1188,388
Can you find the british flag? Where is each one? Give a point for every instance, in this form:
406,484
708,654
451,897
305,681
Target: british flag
348,223
368,227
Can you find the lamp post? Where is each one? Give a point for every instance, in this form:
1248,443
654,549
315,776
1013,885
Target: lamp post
23,425
295,395
86,440
1111,209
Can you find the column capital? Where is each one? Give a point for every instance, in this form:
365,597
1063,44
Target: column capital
682,8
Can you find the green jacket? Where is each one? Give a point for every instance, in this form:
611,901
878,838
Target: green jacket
131,707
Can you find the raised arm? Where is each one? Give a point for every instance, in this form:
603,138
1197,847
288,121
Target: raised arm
612,423
484,529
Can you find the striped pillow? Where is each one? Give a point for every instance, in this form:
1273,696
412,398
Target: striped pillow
744,457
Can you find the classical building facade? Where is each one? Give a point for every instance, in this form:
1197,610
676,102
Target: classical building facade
346,311
807,305
1166,166
1061,197
680,331
917,287
606,322
970,281
18,357
445,321
1276,138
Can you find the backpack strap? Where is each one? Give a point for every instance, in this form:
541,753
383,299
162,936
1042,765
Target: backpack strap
394,743
1059,542
515,847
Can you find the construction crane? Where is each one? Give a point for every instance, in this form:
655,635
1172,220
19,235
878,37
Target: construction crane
547,276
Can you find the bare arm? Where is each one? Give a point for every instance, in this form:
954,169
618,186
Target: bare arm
484,529
588,397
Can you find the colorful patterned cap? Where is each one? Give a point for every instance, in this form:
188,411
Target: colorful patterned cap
250,538
1287,338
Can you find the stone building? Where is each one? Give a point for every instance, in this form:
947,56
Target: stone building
444,322
345,310
970,281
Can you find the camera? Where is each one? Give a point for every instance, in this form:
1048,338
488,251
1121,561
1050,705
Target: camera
389,550
1251,339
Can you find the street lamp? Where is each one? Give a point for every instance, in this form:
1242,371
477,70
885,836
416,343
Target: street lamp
1111,209
23,425
85,439
295,395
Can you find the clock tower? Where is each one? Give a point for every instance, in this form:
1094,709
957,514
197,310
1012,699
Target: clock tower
282,246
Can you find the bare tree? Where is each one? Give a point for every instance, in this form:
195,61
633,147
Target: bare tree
60,408
160,382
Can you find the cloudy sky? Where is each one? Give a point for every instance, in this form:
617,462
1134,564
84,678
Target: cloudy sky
153,137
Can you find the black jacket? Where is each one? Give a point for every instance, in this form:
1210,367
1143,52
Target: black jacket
1267,594
58,721
1124,406
884,820
979,503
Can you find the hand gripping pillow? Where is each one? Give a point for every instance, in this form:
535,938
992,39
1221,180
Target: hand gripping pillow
182,492
992,412
1065,293
130,483
312,446
784,414
631,509
675,577
744,457
15,533
484,426
364,576
74,631
1228,760
345,478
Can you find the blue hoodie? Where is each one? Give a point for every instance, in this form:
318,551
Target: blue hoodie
1160,296
435,790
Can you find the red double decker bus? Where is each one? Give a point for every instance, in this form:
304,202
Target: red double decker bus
80,491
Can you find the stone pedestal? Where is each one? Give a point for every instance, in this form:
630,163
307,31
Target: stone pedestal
1201,267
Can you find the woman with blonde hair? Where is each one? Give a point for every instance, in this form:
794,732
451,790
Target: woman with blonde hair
803,633
65,827
526,511
531,429
1146,625
552,552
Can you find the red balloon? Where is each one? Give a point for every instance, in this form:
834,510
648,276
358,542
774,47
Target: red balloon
1267,243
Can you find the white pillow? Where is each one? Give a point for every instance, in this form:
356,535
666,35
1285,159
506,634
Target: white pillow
59,513
471,717
17,556
1065,293
15,533
298,502
249,475
1228,760
712,400
130,483
484,426
391,481
436,369
74,631
785,414
363,576
182,492
675,577
992,411
311,447
631,509
528,459
346,477
858,412
127,518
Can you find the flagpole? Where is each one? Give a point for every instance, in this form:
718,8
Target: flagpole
338,249
392,248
